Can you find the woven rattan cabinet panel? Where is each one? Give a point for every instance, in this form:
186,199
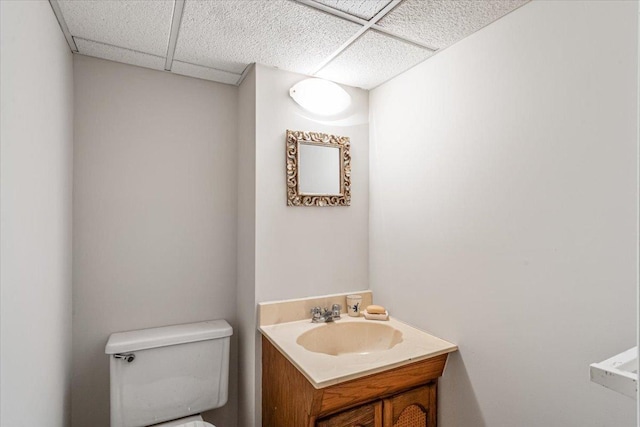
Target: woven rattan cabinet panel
413,408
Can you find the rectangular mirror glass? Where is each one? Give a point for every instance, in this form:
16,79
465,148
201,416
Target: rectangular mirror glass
319,169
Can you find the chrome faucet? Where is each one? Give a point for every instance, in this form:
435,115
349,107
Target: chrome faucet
319,315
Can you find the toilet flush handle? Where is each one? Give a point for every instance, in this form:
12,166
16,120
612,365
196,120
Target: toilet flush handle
129,357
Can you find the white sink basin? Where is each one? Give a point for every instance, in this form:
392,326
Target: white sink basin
338,338
352,347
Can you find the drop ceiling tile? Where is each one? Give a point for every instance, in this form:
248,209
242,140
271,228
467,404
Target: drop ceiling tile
118,54
141,25
205,73
365,9
231,34
373,59
440,23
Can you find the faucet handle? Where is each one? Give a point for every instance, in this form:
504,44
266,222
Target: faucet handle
316,312
335,310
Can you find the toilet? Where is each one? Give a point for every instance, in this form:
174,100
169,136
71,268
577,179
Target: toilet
167,376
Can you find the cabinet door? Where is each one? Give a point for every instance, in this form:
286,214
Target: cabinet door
413,408
369,415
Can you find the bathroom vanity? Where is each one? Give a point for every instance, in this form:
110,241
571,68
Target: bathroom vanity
351,372
399,397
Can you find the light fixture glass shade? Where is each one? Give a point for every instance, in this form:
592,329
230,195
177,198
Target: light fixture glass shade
320,96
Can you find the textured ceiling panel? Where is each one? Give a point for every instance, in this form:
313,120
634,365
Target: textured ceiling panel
365,9
440,23
231,34
138,25
373,59
204,73
113,53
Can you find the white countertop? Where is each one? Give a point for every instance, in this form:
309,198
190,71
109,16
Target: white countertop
323,370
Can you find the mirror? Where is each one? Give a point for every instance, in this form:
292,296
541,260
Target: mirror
318,169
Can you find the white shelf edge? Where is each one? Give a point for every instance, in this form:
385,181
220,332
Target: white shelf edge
618,373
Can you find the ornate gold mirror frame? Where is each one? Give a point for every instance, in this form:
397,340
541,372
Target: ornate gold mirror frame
294,196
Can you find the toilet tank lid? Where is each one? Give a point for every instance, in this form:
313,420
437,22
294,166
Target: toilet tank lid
122,342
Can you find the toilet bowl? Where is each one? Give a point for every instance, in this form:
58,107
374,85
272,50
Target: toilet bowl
193,424
194,421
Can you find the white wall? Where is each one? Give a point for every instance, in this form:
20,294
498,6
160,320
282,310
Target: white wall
504,211
35,216
154,215
307,251
289,252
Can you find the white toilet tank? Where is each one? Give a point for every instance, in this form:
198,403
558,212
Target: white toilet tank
165,373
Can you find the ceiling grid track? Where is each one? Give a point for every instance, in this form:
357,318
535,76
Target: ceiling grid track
63,25
402,38
364,22
357,35
332,11
244,73
176,20
115,47
384,35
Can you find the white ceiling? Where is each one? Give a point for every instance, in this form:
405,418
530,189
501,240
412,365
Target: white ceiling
360,43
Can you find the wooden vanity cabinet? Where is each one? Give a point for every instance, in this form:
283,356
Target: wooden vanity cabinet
405,396
369,415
